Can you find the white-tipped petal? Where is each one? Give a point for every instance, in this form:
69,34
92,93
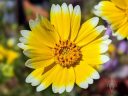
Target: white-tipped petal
90,80
61,90
21,45
77,10
25,33
103,48
70,8
69,88
107,41
32,24
96,7
54,89
94,21
96,12
22,40
64,7
28,79
57,8
100,28
95,75
105,37
40,88
104,58
35,82
119,37
53,7
84,85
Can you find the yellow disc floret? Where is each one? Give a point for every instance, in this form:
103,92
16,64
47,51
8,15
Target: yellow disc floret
67,53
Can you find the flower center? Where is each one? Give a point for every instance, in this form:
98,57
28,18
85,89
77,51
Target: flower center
67,53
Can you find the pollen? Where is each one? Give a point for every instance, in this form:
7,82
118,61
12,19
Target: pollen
67,53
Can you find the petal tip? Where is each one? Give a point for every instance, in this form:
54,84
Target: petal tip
40,88
21,45
84,85
69,88
61,90
94,21
95,75
28,79
104,58
90,81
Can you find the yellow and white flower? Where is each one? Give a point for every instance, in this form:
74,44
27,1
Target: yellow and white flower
115,12
63,53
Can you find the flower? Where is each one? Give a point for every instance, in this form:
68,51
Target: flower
8,54
115,12
108,31
2,52
11,56
122,47
111,64
61,52
7,57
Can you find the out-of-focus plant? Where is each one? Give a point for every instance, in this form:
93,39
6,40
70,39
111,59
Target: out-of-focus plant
7,57
117,51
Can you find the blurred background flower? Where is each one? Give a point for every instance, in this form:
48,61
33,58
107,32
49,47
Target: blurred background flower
7,57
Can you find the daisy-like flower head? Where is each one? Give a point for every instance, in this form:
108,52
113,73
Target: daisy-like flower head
63,53
115,12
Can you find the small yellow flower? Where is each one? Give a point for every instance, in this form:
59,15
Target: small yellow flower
63,53
11,56
8,54
2,52
115,12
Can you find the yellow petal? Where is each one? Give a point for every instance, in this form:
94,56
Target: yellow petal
86,28
65,21
92,36
60,18
95,59
32,48
75,22
36,51
85,74
122,32
70,79
56,18
122,4
47,78
59,82
39,62
117,19
42,36
43,33
101,46
35,77
70,10
53,15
